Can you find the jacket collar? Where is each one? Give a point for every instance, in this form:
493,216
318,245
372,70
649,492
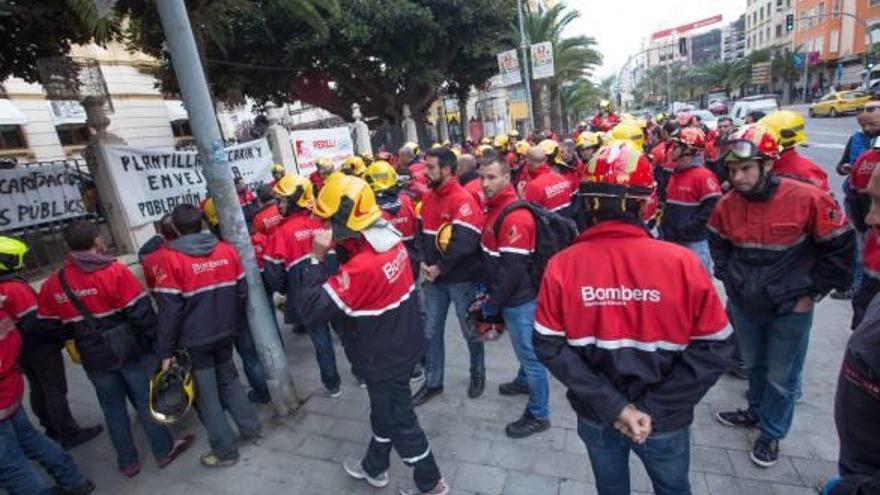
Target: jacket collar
501,199
541,170
612,229
447,188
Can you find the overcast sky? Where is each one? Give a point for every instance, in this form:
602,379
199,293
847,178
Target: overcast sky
620,25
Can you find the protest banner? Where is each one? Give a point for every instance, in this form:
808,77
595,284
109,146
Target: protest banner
39,194
508,67
309,145
152,182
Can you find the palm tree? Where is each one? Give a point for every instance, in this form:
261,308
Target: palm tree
784,70
579,98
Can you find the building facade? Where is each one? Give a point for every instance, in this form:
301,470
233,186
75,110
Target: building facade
705,47
733,40
765,24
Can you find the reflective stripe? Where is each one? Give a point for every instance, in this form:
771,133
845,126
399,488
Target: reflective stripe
681,203
365,312
466,225
413,460
710,195
872,273
719,335
566,205
548,331
297,261
380,439
837,233
25,311
7,412
429,232
627,343
515,250
489,251
769,247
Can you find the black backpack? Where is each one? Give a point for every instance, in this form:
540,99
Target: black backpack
553,233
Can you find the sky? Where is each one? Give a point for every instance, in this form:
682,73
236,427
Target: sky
620,26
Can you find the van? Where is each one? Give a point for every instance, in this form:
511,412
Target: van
744,106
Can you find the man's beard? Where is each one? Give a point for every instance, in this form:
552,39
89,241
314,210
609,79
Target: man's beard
435,183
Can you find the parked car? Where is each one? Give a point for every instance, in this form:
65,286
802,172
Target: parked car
708,119
839,103
718,107
760,103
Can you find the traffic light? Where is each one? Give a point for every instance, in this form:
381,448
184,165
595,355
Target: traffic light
789,22
682,47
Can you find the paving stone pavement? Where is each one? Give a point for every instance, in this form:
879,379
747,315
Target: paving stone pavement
301,454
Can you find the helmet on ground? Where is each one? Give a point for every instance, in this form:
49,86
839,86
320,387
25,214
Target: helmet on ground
325,166
522,147
751,142
588,140
278,168
172,391
691,137
501,141
12,253
629,130
354,165
618,170
296,189
551,149
787,127
348,202
380,175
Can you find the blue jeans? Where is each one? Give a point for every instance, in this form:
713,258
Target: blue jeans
520,323
113,387
666,456
325,354
19,444
773,348
250,361
437,299
701,249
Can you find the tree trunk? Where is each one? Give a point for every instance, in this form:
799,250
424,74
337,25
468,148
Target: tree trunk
555,108
537,105
464,118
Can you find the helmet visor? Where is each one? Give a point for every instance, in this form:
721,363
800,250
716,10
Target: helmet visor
739,149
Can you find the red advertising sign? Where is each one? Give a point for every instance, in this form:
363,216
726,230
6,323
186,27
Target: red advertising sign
686,27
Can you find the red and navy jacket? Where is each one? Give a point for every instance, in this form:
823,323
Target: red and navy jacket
870,285
641,324
201,293
601,123
372,298
691,194
790,242
259,241
21,304
857,199
793,165
287,252
476,190
418,184
111,293
11,381
267,218
549,190
507,253
451,203
400,212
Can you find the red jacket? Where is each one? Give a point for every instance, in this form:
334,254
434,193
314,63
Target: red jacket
862,169
267,219
548,189
11,381
21,305
452,204
400,212
793,165
603,124
506,253
870,285
476,190
640,323
691,194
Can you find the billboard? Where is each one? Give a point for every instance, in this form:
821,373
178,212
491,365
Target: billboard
686,27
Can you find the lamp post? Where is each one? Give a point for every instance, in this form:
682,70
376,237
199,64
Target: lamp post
524,46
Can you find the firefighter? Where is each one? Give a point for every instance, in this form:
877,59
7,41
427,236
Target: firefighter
545,187
278,171
638,335
410,164
605,119
787,127
398,209
354,165
774,269
372,296
323,168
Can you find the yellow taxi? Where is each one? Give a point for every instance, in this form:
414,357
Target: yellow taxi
842,102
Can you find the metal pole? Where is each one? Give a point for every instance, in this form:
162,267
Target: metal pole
806,77
668,89
203,121
524,46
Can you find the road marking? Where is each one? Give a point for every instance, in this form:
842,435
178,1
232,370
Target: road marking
833,146
826,133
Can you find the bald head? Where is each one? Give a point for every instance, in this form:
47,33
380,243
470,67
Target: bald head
405,155
535,157
466,164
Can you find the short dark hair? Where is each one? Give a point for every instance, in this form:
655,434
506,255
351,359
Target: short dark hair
166,227
81,235
502,164
603,209
446,158
670,126
264,193
489,155
725,117
187,219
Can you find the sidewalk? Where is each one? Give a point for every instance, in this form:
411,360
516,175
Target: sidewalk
301,455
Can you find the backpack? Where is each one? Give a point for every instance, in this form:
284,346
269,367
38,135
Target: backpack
553,233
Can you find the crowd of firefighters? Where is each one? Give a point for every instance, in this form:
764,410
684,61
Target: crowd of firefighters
594,254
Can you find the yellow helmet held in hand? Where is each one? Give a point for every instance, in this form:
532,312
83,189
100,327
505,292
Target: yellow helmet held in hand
354,165
12,253
380,175
631,131
551,149
347,202
443,238
295,188
788,127
172,391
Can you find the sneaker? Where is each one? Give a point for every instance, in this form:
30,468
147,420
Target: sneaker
743,418
84,489
526,425
513,388
131,470
211,460
361,383
766,452
407,488
425,394
841,295
256,398
355,469
477,386
418,374
82,436
180,446
334,392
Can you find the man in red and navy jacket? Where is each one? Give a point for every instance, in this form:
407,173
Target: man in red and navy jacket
452,213
372,296
778,246
691,194
110,291
511,292
545,187
638,335
410,164
201,293
41,360
267,216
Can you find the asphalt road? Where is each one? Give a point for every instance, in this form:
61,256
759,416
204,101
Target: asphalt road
828,137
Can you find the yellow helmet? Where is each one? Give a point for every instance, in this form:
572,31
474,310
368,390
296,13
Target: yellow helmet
278,168
787,127
551,149
522,147
12,253
172,391
501,141
513,134
367,157
325,166
210,213
605,105
436,146
354,165
588,140
629,130
380,175
456,152
348,201
414,147
295,188
443,238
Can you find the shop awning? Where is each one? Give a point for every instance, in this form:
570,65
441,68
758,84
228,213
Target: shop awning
10,114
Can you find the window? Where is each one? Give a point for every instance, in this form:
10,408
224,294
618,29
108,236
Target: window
73,134
778,4
11,137
779,30
769,10
821,13
760,37
180,128
834,41
768,34
802,26
754,18
835,9
762,13
819,44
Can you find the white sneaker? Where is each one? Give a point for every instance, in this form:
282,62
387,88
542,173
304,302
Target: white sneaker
407,488
354,469
333,393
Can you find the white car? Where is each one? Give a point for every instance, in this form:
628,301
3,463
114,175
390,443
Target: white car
707,118
744,106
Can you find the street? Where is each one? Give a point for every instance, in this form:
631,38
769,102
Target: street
828,138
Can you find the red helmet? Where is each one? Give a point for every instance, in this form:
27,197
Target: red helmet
618,170
684,118
749,143
690,137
